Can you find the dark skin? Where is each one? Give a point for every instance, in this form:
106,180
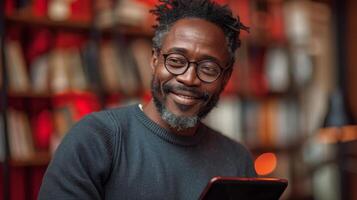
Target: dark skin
198,40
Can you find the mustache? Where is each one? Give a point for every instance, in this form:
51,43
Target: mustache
197,93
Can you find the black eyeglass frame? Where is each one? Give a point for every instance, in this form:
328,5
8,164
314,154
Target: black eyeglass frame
222,70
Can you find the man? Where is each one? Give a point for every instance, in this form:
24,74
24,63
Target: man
160,150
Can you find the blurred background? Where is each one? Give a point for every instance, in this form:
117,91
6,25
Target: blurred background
292,98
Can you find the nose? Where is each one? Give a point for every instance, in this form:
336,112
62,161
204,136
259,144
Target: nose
189,78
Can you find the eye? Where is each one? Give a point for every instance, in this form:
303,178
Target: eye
176,61
209,69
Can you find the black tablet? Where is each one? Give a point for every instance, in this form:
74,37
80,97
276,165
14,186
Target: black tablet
223,188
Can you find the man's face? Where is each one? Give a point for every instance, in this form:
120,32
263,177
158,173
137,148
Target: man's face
184,99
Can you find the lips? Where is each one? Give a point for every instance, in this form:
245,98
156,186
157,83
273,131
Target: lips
185,98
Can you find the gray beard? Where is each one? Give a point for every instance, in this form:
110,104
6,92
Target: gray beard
176,122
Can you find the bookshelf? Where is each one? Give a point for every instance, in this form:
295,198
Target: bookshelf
39,159
26,19
280,73
57,105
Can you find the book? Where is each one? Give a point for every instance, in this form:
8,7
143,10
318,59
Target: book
130,12
40,74
81,10
250,112
301,66
271,122
255,79
267,124
297,22
59,10
288,123
276,16
141,50
2,139
16,67
242,8
1,67
104,13
42,129
277,69
76,74
20,137
91,65
127,68
109,67
39,8
226,118
60,80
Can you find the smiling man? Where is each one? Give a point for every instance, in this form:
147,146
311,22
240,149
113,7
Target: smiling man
160,150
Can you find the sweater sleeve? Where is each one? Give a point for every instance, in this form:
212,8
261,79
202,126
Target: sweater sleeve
81,164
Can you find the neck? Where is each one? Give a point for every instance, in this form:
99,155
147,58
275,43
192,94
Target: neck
151,111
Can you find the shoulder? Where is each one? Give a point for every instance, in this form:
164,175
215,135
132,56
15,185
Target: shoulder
104,126
107,120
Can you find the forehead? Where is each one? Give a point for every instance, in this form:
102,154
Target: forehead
197,37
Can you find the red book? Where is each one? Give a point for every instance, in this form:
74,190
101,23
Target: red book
275,10
9,6
257,81
150,3
39,8
81,10
241,8
69,40
17,183
80,103
37,174
41,42
43,127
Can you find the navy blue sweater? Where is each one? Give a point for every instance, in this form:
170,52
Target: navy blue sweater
122,154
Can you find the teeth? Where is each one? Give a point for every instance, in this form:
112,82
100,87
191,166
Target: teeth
186,97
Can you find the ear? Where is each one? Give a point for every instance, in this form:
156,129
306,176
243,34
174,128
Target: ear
154,60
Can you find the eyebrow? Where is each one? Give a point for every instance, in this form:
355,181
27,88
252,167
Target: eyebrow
202,57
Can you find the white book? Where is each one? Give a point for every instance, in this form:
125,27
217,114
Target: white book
16,67
76,71
130,12
14,139
59,72
287,123
277,69
40,72
226,118
27,144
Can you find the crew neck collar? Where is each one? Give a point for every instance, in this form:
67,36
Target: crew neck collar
166,135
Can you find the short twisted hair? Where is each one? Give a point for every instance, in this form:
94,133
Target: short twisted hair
169,11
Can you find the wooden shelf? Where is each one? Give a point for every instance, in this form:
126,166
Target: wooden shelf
29,95
48,94
25,19
276,149
38,159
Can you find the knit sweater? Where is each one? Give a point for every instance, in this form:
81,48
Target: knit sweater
122,154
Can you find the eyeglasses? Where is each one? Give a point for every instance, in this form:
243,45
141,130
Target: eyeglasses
206,70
